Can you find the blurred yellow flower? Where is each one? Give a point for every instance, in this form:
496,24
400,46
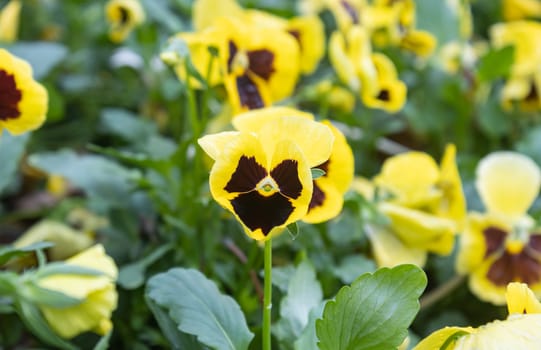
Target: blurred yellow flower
328,194
123,17
206,12
97,294
23,101
419,42
424,204
502,245
262,172
347,13
520,9
335,96
9,21
519,331
524,91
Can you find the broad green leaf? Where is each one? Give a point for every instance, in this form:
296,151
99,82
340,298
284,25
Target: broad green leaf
352,267
374,313
126,125
215,319
303,294
308,338
11,151
281,276
33,319
97,176
132,276
8,252
496,63
177,339
42,56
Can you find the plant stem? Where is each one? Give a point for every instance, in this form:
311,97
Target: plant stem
442,291
267,296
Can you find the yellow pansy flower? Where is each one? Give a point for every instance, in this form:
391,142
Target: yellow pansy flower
520,9
261,64
335,96
419,42
519,331
97,294
389,92
328,194
523,90
424,204
347,13
261,172
502,245
23,101
9,21
123,17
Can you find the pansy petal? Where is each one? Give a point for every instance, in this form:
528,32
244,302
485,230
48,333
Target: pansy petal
344,67
326,202
409,176
314,139
252,121
390,251
215,144
508,182
419,42
310,35
340,166
453,204
521,300
437,339
123,16
205,12
421,230
9,21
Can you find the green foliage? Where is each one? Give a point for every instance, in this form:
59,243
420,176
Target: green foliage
374,312
11,151
496,63
215,319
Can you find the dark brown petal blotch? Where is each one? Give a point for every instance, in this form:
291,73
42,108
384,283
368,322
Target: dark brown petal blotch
261,63
246,176
10,96
286,176
494,239
248,93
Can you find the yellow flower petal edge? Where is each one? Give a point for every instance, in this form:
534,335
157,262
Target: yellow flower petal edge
252,121
389,250
23,101
445,336
9,21
97,293
215,144
205,12
453,204
521,300
508,182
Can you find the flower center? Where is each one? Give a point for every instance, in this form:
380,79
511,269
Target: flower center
9,96
267,187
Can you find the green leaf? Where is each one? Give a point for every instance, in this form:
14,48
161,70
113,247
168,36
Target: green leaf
46,297
33,319
103,343
303,294
97,176
317,172
11,151
215,319
7,253
293,230
42,56
308,339
177,339
132,276
496,63
352,267
61,268
126,125
374,312
530,144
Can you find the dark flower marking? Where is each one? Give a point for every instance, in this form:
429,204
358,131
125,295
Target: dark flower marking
232,52
384,95
258,211
514,268
261,63
318,197
535,243
286,176
351,11
297,35
248,93
124,15
494,239
246,176
10,96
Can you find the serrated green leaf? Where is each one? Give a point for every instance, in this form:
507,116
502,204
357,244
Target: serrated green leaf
303,294
215,319
374,313
7,253
177,339
317,172
496,63
11,151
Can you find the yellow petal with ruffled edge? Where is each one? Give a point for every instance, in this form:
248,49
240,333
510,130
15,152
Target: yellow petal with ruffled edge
389,250
123,16
508,183
205,12
421,230
9,21
453,202
445,336
252,121
326,202
410,177
520,9
419,42
215,144
24,101
98,295
521,300
347,13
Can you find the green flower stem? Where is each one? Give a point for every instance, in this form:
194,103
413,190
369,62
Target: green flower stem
267,296
441,292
